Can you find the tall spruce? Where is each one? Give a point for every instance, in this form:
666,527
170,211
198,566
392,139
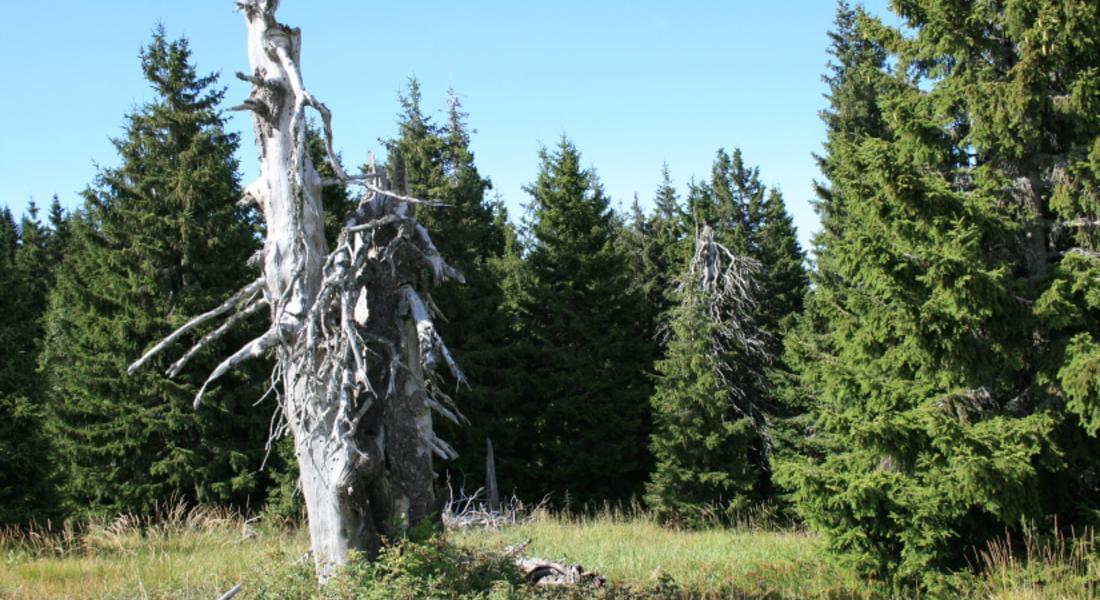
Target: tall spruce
652,245
752,220
36,244
935,344
671,227
713,406
584,394
435,161
785,278
730,201
160,239
656,246
636,241
710,436
26,454
854,80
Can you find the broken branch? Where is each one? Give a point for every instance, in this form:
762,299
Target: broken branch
251,350
199,320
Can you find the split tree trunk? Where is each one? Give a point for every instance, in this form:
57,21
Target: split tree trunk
351,327
361,416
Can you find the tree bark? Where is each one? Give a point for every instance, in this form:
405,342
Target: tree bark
491,489
351,328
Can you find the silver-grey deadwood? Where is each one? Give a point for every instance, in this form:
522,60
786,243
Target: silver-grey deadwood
351,328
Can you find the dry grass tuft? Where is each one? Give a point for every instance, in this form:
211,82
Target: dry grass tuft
177,552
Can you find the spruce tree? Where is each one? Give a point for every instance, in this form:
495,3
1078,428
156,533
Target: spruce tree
33,259
160,239
435,161
26,455
672,233
636,240
785,277
59,234
584,397
854,79
709,432
754,225
656,246
730,201
930,366
34,265
752,220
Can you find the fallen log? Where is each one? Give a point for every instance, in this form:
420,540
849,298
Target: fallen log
233,591
540,571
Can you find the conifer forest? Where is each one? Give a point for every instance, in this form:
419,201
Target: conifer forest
387,367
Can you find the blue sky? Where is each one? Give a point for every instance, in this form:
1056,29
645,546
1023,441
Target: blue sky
632,84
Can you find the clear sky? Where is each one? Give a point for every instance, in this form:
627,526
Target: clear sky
633,84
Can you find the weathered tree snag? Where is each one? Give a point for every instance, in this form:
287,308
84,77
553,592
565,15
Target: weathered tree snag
727,285
351,328
491,488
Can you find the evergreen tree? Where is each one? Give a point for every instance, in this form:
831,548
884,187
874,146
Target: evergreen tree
32,256
585,392
735,411
731,202
634,238
785,279
855,81
160,239
435,161
9,234
26,456
35,271
785,284
636,241
934,378
59,234
672,229
656,246
753,221
709,437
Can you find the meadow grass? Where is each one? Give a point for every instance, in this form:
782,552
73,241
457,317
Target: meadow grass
201,553
178,553
635,549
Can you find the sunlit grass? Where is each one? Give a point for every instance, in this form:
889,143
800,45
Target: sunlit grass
201,553
638,550
179,553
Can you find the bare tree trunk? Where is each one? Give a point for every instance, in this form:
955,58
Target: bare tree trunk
491,477
351,328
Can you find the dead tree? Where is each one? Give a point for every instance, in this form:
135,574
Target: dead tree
351,327
491,488
727,286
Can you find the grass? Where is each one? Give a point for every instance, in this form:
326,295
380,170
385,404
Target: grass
179,553
201,553
1037,567
635,549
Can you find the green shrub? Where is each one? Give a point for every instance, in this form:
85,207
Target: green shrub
433,568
